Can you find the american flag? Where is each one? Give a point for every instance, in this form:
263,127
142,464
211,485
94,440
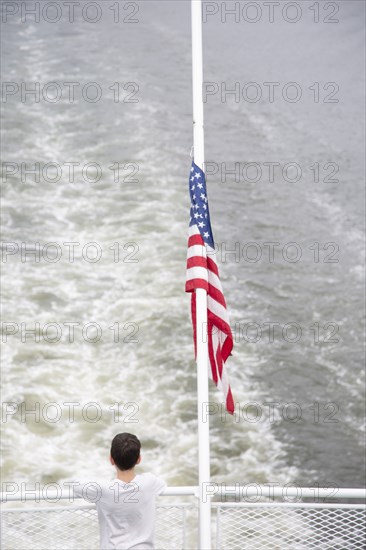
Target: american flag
202,272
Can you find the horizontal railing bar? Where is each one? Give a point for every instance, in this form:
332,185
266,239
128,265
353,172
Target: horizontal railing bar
50,509
285,492
54,495
90,506
338,505
210,490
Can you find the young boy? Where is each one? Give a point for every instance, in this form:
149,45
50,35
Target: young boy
126,505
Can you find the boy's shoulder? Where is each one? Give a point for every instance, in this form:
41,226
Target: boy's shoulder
150,480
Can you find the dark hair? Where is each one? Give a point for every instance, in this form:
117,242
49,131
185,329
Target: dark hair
125,451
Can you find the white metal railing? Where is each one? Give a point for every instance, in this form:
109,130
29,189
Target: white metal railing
236,525
286,526
76,528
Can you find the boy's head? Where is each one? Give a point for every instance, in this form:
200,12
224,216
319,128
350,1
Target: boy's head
125,451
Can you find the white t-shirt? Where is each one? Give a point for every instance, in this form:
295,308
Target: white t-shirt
126,511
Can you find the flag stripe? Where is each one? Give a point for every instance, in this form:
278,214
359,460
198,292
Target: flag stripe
195,239
195,251
211,265
216,294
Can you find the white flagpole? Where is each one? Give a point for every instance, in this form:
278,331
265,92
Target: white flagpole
201,295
